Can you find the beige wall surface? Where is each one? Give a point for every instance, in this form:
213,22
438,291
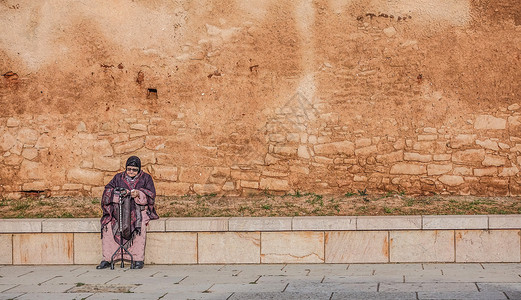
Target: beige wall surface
237,96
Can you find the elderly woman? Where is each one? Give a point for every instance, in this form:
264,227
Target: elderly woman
135,186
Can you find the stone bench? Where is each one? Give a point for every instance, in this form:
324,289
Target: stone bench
363,239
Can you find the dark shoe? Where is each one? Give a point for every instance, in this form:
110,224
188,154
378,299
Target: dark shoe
103,265
139,264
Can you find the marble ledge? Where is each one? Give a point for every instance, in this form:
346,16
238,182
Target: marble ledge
269,224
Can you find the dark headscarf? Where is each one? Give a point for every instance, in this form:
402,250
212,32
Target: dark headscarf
133,161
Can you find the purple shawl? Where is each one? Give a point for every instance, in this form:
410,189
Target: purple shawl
144,183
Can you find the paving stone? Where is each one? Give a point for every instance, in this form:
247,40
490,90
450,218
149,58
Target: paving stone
247,287
331,287
43,288
137,296
57,296
284,295
197,296
428,287
373,295
10,296
504,221
502,286
462,295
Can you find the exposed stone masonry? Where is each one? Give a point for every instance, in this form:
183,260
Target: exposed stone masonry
297,145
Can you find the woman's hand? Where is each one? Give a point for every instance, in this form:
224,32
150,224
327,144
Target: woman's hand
134,193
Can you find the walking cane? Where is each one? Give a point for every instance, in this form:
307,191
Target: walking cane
122,194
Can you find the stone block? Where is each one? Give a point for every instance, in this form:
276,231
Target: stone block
422,246
365,151
20,225
34,186
324,223
228,247
32,170
469,156
489,122
43,249
28,136
427,137
102,148
195,174
390,157
274,184
357,247
156,225
130,146
455,222
488,246
441,157
171,248
165,173
388,222
249,184
344,147
451,180
434,169
485,172
71,225
292,247
30,153
411,156
463,171
107,163
462,140
13,122
87,248
44,141
172,188
285,150
245,175
197,224
408,169
155,142
508,172
6,248
260,224
303,152
7,141
488,144
362,142
504,222
89,177
207,188
496,161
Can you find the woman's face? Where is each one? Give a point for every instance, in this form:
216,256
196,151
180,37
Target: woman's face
132,171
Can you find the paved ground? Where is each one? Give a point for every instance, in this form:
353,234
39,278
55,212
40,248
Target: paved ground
296,281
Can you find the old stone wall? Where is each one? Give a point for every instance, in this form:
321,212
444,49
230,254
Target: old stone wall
235,97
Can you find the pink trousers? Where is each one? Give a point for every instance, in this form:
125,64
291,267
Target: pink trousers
109,245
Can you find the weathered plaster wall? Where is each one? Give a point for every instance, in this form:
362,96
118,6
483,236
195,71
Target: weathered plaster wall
238,96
